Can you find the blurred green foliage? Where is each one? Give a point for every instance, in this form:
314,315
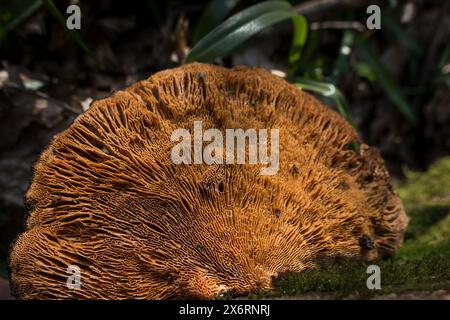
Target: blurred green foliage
226,37
304,60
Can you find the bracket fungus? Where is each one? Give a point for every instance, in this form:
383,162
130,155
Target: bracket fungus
107,198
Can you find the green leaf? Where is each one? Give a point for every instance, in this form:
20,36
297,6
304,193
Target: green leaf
387,82
216,11
300,26
327,90
364,70
309,59
221,41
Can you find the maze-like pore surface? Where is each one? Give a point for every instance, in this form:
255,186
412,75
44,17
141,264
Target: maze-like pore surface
107,197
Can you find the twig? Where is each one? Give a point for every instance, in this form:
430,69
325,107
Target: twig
355,25
321,6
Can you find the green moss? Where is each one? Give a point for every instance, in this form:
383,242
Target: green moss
426,197
428,188
423,263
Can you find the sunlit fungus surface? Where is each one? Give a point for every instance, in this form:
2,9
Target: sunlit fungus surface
107,198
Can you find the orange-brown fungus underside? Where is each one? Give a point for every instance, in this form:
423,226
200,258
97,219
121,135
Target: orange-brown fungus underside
107,198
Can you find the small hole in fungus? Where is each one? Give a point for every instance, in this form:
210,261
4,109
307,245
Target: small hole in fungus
343,185
221,187
369,178
366,242
277,212
200,248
